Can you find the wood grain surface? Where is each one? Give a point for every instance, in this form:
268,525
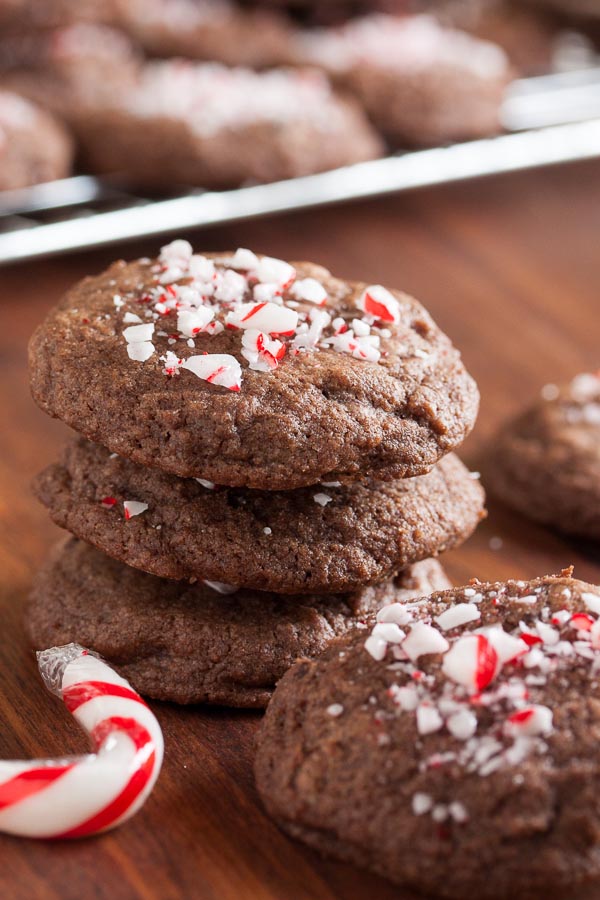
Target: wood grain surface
510,268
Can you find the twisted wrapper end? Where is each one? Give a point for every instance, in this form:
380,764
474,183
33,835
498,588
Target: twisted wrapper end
53,662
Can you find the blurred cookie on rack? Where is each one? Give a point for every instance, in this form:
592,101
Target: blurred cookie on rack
34,146
206,30
421,83
68,70
204,124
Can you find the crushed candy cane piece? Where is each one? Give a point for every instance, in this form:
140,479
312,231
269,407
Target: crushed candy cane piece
138,334
457,615
322,499
471,661
309,289
140,351
592,601
244,259
378,302
422,640
191,322
428,719
134,508
216,368
531,721
221,587
274,271
267,317
390,632
421,804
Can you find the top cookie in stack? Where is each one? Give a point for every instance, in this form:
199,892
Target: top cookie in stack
252,372
263,429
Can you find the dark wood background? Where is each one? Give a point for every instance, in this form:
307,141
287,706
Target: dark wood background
510,268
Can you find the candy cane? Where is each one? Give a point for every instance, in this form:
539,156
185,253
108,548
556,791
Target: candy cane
79,796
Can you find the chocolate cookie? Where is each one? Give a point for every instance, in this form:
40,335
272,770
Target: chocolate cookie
204,124
324,539
34,147
421,83
455,750
155,359
191,644
207,30
70,70
546,463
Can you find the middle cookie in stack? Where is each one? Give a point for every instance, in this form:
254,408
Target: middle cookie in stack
339,381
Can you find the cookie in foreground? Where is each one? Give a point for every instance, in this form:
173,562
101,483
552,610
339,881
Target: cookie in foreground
250,371
453,749
192,643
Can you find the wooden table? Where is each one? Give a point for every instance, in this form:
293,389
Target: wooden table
510,268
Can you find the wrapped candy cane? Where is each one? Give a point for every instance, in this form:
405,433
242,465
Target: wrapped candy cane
79,796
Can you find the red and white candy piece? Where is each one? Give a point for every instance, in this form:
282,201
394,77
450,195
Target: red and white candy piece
472,661
267,317
82,795
216,368
378,302
532,721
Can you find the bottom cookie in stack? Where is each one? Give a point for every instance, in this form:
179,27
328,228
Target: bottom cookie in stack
188,643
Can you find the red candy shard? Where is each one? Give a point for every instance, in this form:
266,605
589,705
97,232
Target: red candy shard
487,662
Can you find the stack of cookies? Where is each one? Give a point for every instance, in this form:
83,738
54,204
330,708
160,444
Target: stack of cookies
265,461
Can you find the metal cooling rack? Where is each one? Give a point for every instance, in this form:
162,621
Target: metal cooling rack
548,120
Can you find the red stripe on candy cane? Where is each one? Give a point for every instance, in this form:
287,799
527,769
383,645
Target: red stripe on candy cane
30,782
142,740
76,695
253,311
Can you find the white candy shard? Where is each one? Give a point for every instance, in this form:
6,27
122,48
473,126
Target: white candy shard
389,631
244,259
421,804
137,334
274,271
457,615
140,351
176,250
428,719
462,724
406,697
221,587
311,290
592,601
422,640
395,612
322,499
376,647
